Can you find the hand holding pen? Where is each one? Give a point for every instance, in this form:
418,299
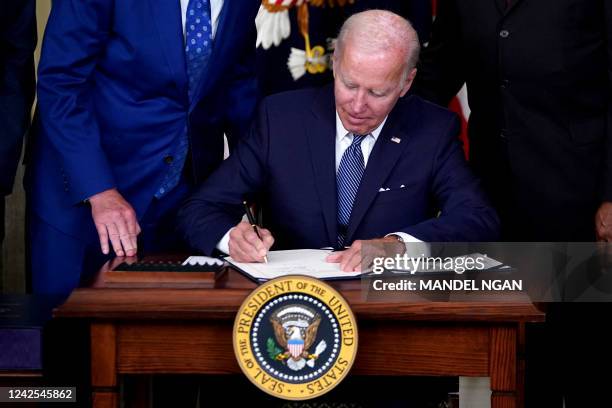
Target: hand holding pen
253,223
249,242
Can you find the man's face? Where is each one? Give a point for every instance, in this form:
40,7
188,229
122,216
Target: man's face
367,87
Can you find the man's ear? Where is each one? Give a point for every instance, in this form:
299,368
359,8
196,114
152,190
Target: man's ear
334,64
408,82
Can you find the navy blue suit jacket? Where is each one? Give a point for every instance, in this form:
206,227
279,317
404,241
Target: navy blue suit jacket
17,44
288,165
113,102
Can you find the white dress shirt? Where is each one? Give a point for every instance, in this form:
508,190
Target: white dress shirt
215,11
344,138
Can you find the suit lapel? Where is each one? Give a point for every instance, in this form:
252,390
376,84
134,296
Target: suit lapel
388,148
504,9
501,6
322,148
513,5
221,45
167,16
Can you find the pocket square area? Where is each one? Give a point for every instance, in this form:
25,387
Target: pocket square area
392,188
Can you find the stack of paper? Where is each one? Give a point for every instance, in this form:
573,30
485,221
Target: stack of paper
309,262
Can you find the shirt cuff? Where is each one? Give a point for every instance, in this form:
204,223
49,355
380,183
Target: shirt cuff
223,244
414,246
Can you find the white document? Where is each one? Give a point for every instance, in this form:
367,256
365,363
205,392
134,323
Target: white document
309,262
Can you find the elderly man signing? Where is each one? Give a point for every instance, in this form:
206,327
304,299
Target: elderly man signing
342,164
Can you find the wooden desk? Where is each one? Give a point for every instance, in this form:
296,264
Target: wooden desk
186,331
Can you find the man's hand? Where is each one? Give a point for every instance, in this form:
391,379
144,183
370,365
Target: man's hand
361,254
115,219
603,222
245,245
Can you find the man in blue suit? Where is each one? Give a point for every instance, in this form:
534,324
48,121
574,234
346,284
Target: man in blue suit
338,165
134,99
17,44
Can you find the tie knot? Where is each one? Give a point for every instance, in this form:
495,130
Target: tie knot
357,139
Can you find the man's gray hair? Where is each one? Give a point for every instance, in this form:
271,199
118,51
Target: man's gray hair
377,30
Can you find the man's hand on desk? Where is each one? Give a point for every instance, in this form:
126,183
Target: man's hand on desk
245,245
360,256
603,222
116,221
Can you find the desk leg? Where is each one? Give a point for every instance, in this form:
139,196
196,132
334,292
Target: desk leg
520,375
503,367
103,366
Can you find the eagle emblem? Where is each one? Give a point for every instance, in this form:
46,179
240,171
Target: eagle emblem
295,329
295,337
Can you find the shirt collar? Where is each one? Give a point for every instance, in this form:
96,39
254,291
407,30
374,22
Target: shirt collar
341,132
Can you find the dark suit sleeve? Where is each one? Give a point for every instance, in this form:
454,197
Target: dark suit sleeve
441,72
607,189
465,214
243,93
17,44
75,37
217,205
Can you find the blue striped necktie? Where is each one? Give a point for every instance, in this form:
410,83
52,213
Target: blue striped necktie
198,47
348,178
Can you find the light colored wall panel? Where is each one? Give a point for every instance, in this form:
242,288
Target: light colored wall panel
12,265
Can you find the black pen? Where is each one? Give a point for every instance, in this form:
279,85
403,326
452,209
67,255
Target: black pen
253,224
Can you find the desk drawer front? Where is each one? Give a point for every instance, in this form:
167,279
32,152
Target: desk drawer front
181,349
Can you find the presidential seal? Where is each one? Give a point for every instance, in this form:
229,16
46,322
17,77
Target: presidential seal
295,337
